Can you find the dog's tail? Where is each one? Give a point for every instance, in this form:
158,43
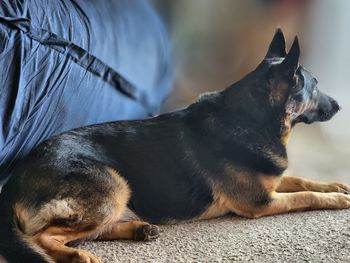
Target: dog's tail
14,246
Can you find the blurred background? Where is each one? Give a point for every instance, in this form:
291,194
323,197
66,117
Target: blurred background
215,43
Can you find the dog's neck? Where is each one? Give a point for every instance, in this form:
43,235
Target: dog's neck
234,129
253,114
285,131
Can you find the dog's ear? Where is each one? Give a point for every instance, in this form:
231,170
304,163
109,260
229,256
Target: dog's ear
291,63
277,46
282,75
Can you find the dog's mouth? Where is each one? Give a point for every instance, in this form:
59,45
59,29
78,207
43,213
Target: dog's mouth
304,119
326,116
314,116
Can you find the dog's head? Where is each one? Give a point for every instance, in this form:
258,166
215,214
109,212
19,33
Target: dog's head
280,93
294,88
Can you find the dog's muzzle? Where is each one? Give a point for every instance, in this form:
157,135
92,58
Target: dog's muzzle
327,115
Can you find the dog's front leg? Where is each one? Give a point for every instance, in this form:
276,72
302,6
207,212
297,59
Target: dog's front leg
300,201
297,184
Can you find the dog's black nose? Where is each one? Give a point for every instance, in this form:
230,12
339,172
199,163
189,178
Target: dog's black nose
335,106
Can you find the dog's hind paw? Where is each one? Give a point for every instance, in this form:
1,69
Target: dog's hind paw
146,233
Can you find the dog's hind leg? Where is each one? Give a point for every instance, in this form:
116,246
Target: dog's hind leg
53,241
90,200
133,230
297,184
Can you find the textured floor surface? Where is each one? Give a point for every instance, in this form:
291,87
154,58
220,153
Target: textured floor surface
317,236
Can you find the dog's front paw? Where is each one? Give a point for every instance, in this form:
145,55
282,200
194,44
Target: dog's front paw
146,233
337,188
343,201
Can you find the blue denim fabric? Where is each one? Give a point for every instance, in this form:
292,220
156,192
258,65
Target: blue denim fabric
66,64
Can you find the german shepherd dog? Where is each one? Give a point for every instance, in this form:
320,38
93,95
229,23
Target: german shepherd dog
224,153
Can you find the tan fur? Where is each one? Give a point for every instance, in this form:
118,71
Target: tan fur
226,205
125,230
217,208
21,215
286,135
270,183
294,184
281,203
37,249
123,192
31,221
53,240
287,123
290,113
301,201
